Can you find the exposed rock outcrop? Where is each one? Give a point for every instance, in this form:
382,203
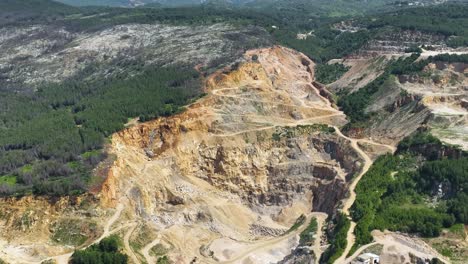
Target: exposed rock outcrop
241,164
256,152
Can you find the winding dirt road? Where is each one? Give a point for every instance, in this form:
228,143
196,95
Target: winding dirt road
272,243
145,251
65,258
352,194
354,144
358,252
327,107
269,244
325,110
127,246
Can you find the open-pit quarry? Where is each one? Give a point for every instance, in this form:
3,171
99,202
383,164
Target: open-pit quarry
222,182
226,179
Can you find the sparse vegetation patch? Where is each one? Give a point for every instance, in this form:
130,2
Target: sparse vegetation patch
291,132
308,235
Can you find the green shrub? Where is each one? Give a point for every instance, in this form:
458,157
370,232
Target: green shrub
299,221
106,252
338,240
307,236
163,260
328,73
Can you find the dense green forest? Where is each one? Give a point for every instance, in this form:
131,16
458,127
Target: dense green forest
409,193
106,252
51,139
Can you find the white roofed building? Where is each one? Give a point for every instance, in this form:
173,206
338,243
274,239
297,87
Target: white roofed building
367,258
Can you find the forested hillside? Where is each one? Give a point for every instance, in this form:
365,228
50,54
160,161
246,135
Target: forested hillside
321,7
412,192
51,139
321,120
31,10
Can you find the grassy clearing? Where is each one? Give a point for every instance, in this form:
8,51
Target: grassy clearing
26,168
73,232
459,230
444,248
375,249
299,221
307,236
158,250
143,237
9,180
89,154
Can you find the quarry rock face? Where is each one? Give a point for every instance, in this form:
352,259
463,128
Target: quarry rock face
242,163
245,160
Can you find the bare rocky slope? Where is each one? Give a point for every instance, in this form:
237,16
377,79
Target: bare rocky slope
239,166
435,98
36,54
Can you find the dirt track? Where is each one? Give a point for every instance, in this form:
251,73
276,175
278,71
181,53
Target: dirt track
352,194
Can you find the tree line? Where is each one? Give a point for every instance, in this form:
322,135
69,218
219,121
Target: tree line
448,20
328,73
